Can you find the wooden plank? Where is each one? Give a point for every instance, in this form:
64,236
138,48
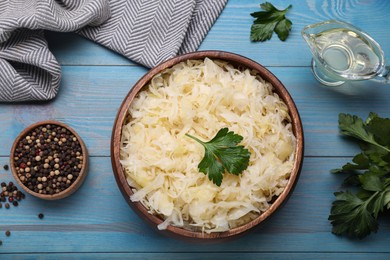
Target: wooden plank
90,96
232,29
192,255
97,219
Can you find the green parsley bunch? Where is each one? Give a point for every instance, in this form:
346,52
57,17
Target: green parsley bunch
356,214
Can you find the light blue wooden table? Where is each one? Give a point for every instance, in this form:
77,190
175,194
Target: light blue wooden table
96,222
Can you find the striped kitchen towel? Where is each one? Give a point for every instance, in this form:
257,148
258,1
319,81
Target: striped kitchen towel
145,31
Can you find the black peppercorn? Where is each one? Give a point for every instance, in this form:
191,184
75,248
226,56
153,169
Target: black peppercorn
6,167
41,216
7,233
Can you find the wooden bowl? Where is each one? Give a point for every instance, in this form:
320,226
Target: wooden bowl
177,232
75,183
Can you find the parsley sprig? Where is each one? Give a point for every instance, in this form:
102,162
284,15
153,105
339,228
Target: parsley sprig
356,214
268,21
222,154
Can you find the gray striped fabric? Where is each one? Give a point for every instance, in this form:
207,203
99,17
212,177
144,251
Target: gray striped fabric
145,31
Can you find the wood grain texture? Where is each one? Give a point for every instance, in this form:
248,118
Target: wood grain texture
209,255
97,219
96,222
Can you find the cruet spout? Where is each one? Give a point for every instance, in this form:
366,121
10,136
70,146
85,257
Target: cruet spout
384,75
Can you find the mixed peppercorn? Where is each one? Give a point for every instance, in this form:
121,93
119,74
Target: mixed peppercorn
10,195
48,159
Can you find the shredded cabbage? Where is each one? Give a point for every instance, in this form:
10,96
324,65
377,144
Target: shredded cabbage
200,97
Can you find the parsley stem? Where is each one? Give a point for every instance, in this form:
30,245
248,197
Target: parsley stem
381,146
196,139
368,140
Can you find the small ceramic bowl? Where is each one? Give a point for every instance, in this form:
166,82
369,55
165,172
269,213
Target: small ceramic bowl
178,232
49,160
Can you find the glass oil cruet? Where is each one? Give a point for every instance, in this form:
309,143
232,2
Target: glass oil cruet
342,52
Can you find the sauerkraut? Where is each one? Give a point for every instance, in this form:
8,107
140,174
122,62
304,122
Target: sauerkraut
200,97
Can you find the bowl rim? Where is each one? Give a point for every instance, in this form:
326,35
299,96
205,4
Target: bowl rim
234,59
75,185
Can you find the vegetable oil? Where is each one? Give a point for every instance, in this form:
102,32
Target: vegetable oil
346,53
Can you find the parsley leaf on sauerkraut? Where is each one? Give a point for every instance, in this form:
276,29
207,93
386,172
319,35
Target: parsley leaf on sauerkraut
222,154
